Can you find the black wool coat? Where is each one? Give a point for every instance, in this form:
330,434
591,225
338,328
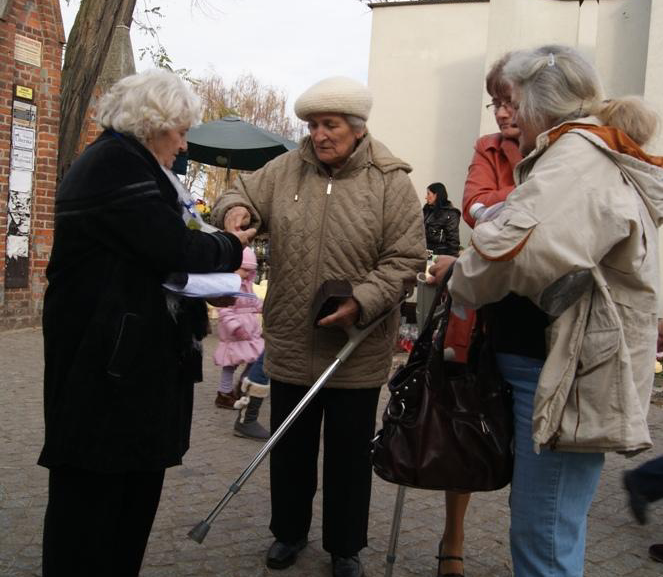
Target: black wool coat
119,362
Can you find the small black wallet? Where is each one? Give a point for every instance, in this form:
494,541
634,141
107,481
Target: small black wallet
329,296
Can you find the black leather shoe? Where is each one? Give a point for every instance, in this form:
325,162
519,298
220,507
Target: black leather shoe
656,552
636,500
347,566
282,555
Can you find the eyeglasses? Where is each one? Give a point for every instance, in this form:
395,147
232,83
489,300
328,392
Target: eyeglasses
497,104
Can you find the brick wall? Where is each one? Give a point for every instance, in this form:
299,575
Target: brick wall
36,20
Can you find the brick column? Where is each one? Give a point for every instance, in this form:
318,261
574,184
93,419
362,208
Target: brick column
31,40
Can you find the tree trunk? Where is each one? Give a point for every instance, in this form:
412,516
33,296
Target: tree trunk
87,46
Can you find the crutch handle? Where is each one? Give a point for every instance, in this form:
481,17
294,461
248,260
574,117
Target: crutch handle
356,335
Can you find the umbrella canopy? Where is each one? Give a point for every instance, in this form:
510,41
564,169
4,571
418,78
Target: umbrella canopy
233,143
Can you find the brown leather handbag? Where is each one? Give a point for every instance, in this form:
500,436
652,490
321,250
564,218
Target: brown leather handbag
447,425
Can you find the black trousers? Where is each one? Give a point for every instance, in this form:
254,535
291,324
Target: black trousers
98,524
349,426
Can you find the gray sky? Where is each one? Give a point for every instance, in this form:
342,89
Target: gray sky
289,44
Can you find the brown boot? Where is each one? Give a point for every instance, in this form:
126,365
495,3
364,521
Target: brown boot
225,400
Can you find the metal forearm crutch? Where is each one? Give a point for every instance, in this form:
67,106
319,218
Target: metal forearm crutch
355,336
395,531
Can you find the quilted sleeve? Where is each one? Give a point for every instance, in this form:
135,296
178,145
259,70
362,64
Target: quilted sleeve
403,250
253,191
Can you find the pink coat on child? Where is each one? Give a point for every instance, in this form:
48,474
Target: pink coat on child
239,328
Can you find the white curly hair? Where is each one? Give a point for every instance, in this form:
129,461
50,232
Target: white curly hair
149,102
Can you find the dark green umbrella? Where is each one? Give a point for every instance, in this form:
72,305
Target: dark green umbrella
233,143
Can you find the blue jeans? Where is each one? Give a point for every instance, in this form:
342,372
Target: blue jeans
550,492
256,373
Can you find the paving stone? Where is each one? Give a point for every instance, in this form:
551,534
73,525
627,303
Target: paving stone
238,540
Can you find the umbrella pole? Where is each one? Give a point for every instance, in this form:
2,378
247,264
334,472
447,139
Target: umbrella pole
228,176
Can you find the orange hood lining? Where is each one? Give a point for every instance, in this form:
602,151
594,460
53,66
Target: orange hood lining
613,137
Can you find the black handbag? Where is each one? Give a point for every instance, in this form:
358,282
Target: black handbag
448,425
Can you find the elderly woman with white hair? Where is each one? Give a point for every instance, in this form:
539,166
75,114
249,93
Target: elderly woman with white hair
121,355
578,238
339,207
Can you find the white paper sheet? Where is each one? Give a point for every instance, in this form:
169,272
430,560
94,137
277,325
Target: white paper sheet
212,285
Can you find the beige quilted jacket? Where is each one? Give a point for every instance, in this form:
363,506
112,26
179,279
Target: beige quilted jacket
362,223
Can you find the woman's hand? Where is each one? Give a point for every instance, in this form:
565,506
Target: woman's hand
346,315
244,236
439,269
236,218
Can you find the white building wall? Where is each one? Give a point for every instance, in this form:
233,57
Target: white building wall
517,24
426,71
654,93
622,45
428,64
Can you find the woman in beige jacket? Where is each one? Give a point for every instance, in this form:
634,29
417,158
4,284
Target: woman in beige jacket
577,237
340,207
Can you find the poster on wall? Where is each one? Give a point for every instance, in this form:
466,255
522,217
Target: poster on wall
19,205
19,213
17,262
27,50
24,159
23,137
24,114
20,180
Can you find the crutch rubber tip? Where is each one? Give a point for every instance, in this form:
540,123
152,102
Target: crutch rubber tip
199,532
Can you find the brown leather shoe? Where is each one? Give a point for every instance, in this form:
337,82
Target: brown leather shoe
225,400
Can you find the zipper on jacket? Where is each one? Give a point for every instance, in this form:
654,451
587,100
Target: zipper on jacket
323,229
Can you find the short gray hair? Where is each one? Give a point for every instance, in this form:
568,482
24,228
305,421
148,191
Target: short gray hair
558,84
356,123
149,102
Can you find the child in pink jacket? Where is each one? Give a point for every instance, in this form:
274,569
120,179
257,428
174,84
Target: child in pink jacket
240,334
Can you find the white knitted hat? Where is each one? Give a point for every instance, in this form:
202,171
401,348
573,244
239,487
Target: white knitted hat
336,94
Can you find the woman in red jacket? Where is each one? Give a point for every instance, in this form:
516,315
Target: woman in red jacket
489,181
490,176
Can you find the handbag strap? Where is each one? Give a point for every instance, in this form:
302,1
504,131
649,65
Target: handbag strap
424,343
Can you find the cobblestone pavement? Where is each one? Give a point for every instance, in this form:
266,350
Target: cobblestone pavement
238,540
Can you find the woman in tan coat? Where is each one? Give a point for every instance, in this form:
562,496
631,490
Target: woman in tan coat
339,207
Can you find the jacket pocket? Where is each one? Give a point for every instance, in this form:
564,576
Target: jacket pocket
127,345
598,346
502,238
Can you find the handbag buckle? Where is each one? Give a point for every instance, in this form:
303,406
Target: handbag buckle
401,404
